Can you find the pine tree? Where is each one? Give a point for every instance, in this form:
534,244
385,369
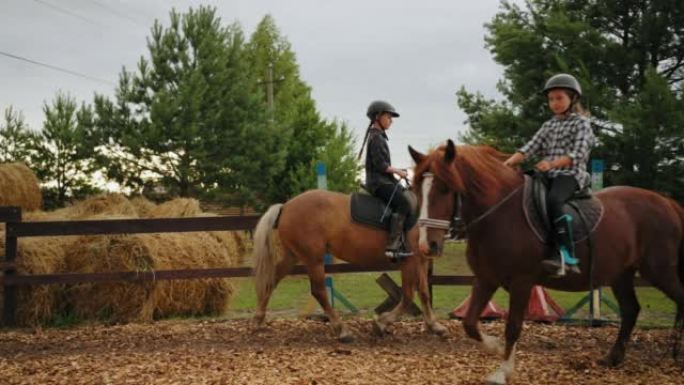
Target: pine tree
608,46
302,133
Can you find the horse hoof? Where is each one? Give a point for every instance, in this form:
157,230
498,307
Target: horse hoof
378,329
609,361
439,329
346,338
497,378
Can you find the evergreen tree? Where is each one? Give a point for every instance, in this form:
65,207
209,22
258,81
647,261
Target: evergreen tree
305,137
608,46
651,145
63,159
17,141
188,118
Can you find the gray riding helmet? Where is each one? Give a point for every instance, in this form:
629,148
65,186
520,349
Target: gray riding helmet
379,106
566,81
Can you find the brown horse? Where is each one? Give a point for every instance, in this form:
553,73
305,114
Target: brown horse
640,231
317,222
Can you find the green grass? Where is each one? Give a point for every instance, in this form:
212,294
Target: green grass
292,297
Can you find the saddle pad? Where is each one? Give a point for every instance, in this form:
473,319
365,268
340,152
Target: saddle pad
591,208
368,210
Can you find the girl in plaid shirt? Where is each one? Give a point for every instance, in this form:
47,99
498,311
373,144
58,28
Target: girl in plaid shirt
563,143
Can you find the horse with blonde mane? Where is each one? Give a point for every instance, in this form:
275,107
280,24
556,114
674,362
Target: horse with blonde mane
640,230
317,222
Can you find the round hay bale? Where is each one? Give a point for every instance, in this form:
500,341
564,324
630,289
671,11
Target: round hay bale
39,304
104,205
142,302
233,241
175,208
143,206
19,187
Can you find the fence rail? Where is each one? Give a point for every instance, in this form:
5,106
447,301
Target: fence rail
15,228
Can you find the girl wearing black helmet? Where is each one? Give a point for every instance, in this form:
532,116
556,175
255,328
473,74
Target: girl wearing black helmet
380,173
563,143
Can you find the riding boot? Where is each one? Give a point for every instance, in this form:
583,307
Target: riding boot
396,247
563,258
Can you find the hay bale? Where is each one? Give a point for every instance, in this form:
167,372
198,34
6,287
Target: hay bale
101,206
176,208
40,304
143,206
143,302
233,241
19,187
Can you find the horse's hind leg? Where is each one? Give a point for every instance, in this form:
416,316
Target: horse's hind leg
283,267
668,281
318,290
623,289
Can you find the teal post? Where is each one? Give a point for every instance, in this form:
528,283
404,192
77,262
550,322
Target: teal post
322,182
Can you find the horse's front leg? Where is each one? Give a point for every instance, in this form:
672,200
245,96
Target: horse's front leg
481,293
429,317
519,297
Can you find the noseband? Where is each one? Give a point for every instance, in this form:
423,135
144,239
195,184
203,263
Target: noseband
453,226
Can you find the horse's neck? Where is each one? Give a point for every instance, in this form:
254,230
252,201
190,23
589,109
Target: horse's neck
481,195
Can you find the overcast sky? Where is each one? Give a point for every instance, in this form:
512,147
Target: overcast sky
414,54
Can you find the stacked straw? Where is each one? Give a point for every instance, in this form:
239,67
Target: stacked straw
126,302
19,187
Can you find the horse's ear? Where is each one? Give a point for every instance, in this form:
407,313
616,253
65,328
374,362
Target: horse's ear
417,156
450,151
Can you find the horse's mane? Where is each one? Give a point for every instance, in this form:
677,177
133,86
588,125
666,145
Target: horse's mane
477,169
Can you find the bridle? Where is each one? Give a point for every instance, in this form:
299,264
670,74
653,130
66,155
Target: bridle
457,224
454,225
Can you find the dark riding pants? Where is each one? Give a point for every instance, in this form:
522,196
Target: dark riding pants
562,187
400,203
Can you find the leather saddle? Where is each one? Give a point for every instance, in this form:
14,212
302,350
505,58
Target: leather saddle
371,211
585,209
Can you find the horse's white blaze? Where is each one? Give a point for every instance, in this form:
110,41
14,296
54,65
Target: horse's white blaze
427,185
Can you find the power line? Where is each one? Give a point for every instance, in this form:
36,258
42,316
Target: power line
118,13
65,11
52,67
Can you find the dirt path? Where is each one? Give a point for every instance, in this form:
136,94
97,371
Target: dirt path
304,352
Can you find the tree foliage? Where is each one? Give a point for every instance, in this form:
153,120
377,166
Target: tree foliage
16,139
64,157
187,118
303,135
625,54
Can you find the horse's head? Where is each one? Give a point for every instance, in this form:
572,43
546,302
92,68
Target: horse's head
474,173
435,196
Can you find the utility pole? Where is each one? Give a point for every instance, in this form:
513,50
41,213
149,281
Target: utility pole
269,88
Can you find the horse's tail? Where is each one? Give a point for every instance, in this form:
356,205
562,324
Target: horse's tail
264,255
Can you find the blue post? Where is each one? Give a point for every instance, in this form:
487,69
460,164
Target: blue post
322,182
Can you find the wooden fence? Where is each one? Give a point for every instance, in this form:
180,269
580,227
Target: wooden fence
16,228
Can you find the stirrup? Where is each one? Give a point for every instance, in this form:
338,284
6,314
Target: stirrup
566,263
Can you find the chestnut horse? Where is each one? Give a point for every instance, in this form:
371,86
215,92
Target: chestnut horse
317,222
640,231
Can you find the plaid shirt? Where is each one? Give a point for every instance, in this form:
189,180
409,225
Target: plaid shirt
566,136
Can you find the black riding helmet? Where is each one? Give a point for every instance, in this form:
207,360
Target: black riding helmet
378,107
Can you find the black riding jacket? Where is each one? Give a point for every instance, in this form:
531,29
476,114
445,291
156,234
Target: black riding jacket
377,160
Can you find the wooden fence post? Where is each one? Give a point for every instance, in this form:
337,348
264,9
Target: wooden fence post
9,215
